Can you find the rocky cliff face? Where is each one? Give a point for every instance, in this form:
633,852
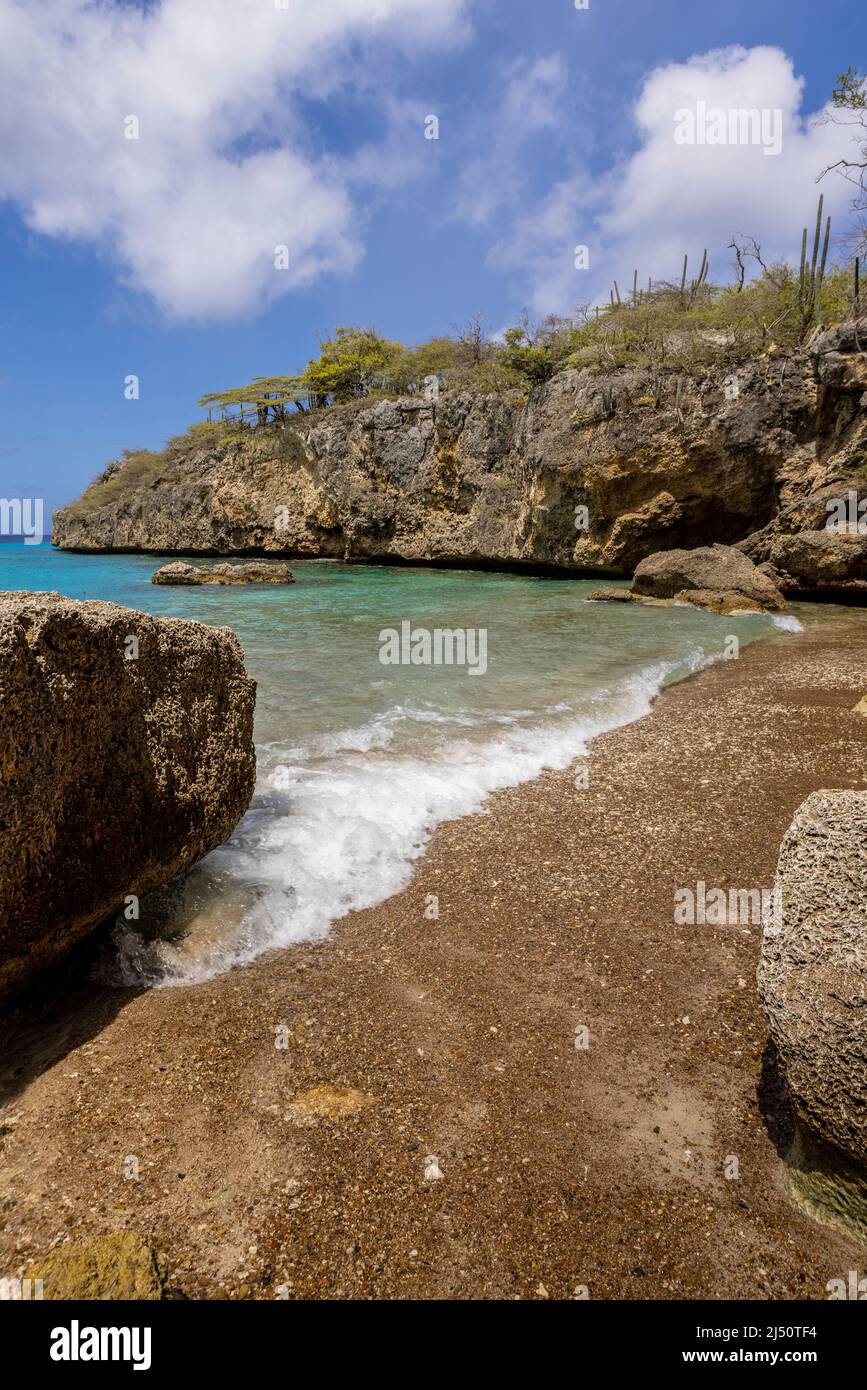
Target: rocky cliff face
483,480
126,753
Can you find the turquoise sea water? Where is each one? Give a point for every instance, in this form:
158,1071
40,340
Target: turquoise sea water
359,761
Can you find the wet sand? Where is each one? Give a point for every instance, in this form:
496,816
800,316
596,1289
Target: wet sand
454,1038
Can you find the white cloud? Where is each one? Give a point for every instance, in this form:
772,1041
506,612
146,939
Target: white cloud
221,173
531,102
667,198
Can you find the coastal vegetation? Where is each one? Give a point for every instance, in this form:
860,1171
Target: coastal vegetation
686,324
132,472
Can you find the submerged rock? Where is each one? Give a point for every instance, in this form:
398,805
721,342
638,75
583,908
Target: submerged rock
813,982
252,572
118,1266
126,753
717,600
611,595
712,576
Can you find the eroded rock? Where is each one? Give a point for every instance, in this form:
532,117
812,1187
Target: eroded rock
813,983
126,754
250,572
812,563
611,595
718,576
717,600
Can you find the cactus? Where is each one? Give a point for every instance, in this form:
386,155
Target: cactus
688,299
702,274
810,277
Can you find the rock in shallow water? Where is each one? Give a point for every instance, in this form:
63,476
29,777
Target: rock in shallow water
610,595
267,572
126,753
717,600
813,983
716,576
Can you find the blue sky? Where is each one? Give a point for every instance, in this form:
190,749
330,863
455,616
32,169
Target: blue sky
123,256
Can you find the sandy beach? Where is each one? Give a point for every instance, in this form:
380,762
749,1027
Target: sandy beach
401,1111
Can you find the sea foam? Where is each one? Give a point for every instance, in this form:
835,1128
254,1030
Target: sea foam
340,828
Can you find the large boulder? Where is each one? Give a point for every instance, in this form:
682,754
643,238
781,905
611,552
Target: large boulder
813,982
126,754
818,545
701,574
821,564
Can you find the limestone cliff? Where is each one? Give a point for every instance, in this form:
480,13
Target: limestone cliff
496,480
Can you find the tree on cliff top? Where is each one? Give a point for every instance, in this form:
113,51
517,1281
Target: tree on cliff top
266,397
353,363
849,108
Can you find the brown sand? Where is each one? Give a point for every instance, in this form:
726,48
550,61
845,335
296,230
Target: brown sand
454,1039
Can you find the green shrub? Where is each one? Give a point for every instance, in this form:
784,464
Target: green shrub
136,469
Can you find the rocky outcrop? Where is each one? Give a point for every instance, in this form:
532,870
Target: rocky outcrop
717,577
126,754
816,544
817,548
813,983
253,572
591,474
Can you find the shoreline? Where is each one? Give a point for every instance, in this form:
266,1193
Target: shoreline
454,1037
834,598
527,569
